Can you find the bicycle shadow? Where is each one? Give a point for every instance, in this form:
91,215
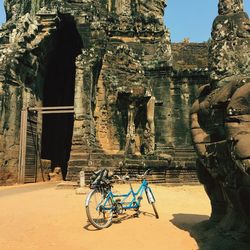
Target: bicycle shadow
120,219
126,216
89,227
207,234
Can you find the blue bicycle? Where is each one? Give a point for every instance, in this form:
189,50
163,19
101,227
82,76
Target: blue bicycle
102,205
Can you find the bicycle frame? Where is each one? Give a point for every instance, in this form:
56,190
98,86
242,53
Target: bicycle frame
132,204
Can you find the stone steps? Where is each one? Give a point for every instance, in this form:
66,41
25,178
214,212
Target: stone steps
78,162
185,158
77,156
168,176
162,171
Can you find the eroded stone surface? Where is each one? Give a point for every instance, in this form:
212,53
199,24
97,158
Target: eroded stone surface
220,122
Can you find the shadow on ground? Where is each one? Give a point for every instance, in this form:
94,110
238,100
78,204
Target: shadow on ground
120,219
208,235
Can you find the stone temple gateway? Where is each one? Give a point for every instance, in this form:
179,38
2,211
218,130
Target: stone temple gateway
87,84
112,62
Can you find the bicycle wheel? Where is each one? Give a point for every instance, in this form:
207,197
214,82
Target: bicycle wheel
99,210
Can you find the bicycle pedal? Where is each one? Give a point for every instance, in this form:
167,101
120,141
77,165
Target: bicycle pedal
136,215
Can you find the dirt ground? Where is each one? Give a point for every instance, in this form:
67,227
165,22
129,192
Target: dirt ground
40,216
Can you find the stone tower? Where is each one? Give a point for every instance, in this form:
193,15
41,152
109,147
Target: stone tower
103,58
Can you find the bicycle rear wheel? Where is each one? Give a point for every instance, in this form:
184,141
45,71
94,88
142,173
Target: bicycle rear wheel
99,210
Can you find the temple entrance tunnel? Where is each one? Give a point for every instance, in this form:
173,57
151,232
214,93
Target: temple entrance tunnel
59,84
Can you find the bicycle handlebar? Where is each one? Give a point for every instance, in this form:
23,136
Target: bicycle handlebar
126,176
145,174
102,177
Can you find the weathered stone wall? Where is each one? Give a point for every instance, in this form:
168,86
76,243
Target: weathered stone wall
176,91
190,56
23,44
190,71
138,45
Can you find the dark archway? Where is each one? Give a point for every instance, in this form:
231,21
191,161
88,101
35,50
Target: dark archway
58,90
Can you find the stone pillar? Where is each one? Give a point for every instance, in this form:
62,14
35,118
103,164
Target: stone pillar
80,142
83,132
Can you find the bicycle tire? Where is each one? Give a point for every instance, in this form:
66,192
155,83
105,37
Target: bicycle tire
93,205
155,210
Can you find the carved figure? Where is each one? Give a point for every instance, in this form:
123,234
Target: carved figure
123,7
230,6
150,127
151,7
137,105
220,121
13,9
130,147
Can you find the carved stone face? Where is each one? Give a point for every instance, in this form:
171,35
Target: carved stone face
12,8
243,29
230,6
221,29
153,7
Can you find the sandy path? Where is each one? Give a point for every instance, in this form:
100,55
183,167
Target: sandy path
43,217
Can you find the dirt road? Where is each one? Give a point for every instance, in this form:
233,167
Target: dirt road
39,216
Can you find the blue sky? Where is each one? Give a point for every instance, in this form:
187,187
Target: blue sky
192,18
184,18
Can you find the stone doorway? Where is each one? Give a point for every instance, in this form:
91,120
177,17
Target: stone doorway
59,86
30,157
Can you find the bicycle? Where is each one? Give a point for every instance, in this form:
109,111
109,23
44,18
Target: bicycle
102,205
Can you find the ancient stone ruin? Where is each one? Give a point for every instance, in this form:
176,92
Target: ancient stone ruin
220,125
88,84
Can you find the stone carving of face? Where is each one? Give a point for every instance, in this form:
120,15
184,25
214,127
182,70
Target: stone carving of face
230,6
12,9
221,29
155,7
243,29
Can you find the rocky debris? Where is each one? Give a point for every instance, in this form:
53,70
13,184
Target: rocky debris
220,122
56,175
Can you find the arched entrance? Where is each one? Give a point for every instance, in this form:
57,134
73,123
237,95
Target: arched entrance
59,85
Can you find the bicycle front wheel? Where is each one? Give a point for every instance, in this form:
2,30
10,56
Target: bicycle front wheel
99,209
